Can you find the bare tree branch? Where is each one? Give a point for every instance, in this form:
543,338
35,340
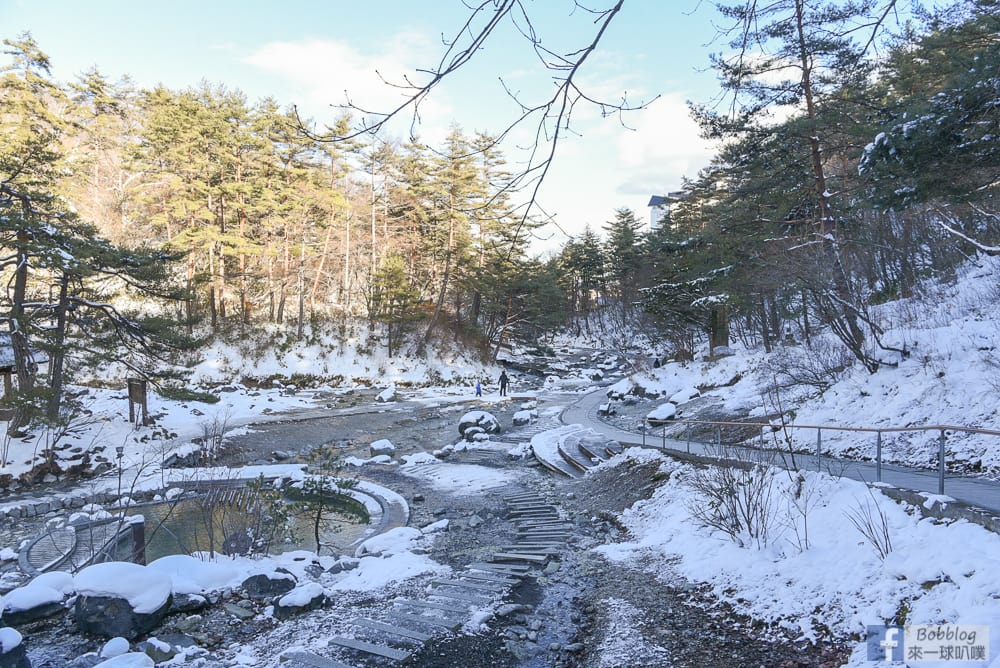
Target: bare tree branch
553,114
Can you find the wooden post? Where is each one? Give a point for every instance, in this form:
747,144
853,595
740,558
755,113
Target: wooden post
137,397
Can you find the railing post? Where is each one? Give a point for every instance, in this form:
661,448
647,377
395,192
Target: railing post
644,423
689,439
664,435
718,437
878,457
819,449
941,463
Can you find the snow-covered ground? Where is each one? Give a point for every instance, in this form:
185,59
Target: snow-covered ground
814,573
949,378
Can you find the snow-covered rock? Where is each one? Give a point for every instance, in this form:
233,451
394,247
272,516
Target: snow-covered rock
487,422
303,598
393,541
269,584
114,647
383,446
684,396
524,417
386,395
42,597
12,650
120,599
662,414
130,660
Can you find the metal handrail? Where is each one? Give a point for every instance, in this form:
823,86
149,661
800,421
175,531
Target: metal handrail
778,426
781,425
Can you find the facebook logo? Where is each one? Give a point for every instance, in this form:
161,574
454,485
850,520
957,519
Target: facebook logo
885,643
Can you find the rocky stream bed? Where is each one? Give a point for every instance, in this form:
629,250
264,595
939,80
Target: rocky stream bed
579,610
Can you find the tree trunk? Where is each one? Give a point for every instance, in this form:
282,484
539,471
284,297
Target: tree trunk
322,263
57,355
718,328
765,332
302,289
444,279
211,288
851,332
503,328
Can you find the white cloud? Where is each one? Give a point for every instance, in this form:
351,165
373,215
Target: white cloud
326,72
664,133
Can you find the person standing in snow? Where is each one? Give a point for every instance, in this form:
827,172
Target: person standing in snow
503,383
479,389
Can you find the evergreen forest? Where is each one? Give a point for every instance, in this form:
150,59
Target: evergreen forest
137,224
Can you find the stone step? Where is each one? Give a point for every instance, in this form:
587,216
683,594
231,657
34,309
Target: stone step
508,569
521,496
440,622
431,605
520,556
523,527
483,586
395,629
541,535
370,648
477,575
534,541
310,660
482,599
544,522
531,549
534,515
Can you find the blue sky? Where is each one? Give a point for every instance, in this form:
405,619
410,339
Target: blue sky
309,52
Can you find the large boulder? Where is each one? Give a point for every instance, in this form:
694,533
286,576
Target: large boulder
524,417
129,660
269,585
120,599
661,414
383,446
40,598
12,651
685,395
487,422
110,616
310,596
